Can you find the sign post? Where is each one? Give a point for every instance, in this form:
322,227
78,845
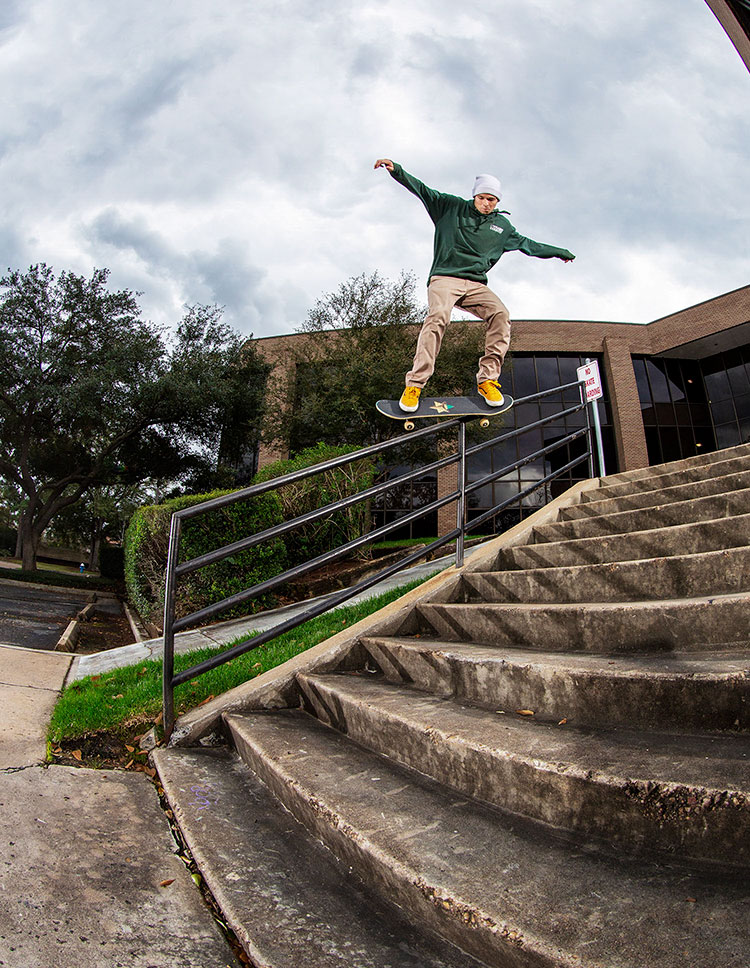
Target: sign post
592,387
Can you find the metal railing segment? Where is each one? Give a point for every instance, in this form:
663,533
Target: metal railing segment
176,569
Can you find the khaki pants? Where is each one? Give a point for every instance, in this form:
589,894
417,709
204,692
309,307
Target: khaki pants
445,292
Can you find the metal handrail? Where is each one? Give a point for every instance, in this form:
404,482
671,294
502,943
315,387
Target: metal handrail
460,457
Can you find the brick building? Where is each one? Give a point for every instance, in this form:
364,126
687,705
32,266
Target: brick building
674,387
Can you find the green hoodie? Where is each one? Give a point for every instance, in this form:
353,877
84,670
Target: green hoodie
468,244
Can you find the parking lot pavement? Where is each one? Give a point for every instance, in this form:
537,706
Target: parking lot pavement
34,617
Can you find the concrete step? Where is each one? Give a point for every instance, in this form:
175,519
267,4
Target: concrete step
687,691
287,898
711,623
682,576
503,889
704,463
666,515
659,496
631,790
668,475
680,539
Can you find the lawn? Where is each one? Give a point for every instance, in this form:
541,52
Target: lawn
132,694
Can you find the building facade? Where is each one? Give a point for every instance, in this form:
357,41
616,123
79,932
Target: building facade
673,388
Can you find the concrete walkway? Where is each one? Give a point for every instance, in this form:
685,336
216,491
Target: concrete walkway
90,874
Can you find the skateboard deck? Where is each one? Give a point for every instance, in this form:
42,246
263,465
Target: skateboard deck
444,407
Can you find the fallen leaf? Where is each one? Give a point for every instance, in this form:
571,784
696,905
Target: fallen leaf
525,712
158,719
76,754
692,900
204,701
562,722
118,696
130,749
167,882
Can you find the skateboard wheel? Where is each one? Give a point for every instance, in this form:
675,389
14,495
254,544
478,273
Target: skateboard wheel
409,425
484,422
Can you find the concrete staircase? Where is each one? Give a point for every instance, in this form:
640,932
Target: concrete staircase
542,761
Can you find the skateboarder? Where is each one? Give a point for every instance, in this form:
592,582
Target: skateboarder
470,237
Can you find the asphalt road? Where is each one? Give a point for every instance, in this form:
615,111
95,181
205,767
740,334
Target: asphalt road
35,618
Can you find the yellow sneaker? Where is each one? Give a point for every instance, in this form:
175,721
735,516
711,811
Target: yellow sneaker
410,399
490,390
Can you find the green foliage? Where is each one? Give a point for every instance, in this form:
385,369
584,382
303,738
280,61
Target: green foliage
95,396
112,562
7,539
307,495
362,339
147,542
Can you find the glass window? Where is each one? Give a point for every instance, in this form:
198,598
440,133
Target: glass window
717,384
658,381
524,377
727,435
547,372
529,374
742,405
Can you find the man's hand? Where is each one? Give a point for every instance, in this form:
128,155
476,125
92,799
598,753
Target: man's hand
384,163
566,258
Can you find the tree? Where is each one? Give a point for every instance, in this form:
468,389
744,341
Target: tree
362,342
92,395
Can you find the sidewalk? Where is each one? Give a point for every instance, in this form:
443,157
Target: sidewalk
90,875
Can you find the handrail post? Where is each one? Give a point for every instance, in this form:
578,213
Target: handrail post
461,503
598,432
589,430
175,529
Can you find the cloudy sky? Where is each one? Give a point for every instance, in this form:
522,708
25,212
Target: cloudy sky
223,152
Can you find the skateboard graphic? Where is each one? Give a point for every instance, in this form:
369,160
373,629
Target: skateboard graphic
444,407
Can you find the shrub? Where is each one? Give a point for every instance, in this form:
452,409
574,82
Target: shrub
112,561
314,539
7,539
147,542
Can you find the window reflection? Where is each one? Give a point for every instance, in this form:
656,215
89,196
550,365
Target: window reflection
531,373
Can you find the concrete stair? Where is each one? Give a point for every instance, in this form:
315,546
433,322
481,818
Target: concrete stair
544,761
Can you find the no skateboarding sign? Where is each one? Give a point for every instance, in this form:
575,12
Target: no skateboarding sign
589,373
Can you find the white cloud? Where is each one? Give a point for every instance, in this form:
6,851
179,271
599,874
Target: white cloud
225,154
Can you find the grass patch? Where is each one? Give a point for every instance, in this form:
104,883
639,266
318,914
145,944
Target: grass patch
133,693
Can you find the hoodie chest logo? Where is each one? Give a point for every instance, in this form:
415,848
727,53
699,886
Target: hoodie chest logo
497,228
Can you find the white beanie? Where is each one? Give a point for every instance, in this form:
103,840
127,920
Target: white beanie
486,185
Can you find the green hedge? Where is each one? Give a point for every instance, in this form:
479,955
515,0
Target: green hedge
147,541
338,528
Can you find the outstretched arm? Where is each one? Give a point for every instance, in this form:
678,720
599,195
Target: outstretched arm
539,250
432,200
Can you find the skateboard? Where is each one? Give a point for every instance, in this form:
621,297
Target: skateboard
444,407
